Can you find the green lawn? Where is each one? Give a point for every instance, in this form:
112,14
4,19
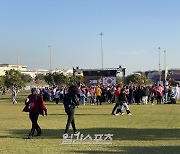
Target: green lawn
151,129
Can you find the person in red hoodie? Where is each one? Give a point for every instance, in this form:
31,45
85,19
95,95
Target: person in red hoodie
35,106
116,95
159,93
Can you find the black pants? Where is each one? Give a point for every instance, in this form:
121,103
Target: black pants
70,120
159,99
57,100
152,99
115,107
61,97
35,126
98,99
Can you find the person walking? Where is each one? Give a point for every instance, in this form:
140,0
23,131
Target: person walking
123,103
116,100
70,101
152,94
145,94
137,94
176,92
82,95
35,106
57,95
61,93
165,93
91,97
159,93
14,94
98,93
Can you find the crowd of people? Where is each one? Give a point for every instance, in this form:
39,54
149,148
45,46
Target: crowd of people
96,94
135,94
121,95
72,96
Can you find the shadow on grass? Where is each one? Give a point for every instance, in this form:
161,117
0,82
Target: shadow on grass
118,133
134,150
87,114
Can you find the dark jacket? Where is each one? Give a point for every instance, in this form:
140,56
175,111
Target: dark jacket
35,105
122,98
70,100
145,92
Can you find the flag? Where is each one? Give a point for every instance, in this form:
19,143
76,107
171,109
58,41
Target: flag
109,81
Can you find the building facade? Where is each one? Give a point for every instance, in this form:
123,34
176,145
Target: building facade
156,76
7,67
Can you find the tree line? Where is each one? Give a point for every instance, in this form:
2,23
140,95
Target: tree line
14,78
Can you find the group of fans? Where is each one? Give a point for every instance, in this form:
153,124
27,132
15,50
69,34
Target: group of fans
138,94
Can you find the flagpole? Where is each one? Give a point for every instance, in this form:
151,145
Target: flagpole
101,49
159,65
165,67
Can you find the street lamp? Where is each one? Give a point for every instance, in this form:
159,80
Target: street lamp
18,59
50,51
159,65
165,67
101,48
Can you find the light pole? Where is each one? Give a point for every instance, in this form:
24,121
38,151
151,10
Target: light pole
50,51
18,60
165,67
159,65
101,48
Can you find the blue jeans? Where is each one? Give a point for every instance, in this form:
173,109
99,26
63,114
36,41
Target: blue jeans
82,99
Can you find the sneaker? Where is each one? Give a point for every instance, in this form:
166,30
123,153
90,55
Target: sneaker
65,135
122,113
129,114
112,113
117,114
76,133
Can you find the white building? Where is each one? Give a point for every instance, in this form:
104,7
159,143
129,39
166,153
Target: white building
32,73
7,67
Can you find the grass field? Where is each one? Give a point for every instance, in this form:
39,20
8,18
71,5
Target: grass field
151,129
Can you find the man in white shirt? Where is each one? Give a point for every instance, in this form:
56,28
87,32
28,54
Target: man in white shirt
57,96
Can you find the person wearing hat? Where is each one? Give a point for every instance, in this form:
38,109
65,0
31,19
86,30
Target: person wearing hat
34,104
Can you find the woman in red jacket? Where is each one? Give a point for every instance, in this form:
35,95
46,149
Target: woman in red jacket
35,106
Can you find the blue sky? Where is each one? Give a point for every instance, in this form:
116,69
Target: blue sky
133,30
